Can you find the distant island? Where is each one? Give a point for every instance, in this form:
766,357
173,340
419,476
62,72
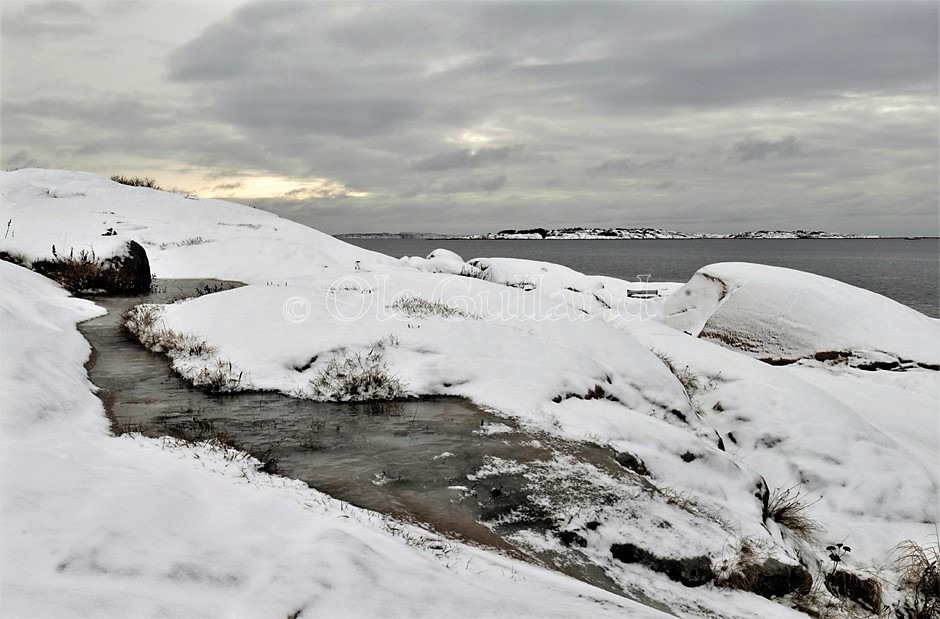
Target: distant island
610,233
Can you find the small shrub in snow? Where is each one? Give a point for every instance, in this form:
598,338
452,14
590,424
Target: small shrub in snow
689,380
787,508
919,576
196,240
218,378
142,320
419,307
686,501
188,345
358,376
136,181
77,273
14,258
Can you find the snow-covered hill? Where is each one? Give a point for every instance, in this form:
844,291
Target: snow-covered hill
112,524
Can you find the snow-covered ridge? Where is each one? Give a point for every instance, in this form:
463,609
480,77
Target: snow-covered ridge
184,237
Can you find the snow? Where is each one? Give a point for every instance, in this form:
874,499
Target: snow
105,526
98,526
184,237
779,313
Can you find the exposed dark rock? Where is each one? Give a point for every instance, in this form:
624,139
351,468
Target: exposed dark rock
831,355
86,273
776,361
691,571
570,538
873,366
866,592
763,495
629,461
769,579
135,267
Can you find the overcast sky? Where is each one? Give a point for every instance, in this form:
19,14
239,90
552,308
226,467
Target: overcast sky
473,117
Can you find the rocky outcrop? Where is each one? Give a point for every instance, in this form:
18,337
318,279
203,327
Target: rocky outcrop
125,272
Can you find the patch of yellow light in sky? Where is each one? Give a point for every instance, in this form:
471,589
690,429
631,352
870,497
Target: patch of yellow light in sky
249,187
443,65
469,137
481,135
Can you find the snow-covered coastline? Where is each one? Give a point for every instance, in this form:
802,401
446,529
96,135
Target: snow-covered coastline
657,233
107,522
578,233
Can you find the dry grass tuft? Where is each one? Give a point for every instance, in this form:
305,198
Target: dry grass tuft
918,575
358,377
788,508
419,307
690,380
136,181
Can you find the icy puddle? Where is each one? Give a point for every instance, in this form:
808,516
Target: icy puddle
440,462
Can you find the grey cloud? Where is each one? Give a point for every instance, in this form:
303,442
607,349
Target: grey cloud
18,160
476,184
762,51
626,166
228,186
57,18
752,149
126,113
630,112
289,111
465,158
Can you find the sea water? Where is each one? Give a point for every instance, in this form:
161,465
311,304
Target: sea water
907,271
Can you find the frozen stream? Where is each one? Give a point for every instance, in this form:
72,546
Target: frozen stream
408,459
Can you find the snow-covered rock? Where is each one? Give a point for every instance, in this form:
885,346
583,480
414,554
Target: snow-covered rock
442,261
782,314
